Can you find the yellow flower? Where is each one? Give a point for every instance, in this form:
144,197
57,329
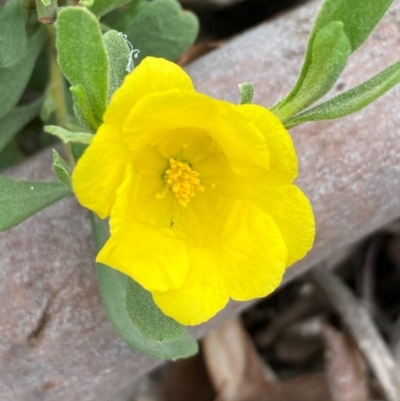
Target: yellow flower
199,192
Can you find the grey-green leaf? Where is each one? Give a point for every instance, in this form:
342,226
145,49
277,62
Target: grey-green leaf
330,52
101,7
163,29
16,119
83,109
13,38
14,80
113,286
120,18
87,3
68,136
352,100
359,18
82,56
246,93
61,169
119,56
47,11
148,317
22,199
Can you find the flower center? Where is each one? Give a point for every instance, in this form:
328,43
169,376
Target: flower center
183,181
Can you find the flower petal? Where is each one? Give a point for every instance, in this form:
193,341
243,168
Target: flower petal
292,213
283,157
158,116
99,172
201,296
153,257
151,75
244,259
252,252
200,223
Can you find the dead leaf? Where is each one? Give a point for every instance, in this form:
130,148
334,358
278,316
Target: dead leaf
300,342
308,387
345,367
235,368
187,380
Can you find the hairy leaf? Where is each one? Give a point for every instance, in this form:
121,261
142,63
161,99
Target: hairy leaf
14,80
82,56
13,38
163,29
22,199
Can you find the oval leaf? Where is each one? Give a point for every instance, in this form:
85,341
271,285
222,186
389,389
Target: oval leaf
148,317
163,29
101,7
82,56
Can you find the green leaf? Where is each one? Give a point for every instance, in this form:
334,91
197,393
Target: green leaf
330,51
113,285
101,7
22,199
148,317
163,29
13,38
83,109
87,3
61,169
352,100
77,150
359,19
119,56
14,80
68,136
83,58
47,11
120,18
246,93
14,121
10,156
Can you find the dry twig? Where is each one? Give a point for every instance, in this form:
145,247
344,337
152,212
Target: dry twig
362,329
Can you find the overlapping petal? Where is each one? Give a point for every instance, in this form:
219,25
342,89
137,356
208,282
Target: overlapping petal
292,212
242,255
153,257
203,293
283,159
150,76
99,172
252,252
236,135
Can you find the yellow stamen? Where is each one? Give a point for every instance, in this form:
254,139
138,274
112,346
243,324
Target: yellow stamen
183,181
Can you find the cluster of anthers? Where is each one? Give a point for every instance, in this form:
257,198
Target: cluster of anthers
183,181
